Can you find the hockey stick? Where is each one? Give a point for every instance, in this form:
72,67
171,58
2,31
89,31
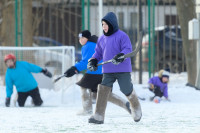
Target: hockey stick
141,98
127,55
59,78
124,56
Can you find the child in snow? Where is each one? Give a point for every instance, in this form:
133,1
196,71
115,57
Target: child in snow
159,84
113,43
19,74
90,80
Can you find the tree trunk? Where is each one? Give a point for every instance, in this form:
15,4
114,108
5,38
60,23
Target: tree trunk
27,23
186,12
8,25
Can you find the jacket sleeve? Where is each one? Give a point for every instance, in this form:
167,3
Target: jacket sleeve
151,81
9,85
98,51
32,67
87,53
165,92
126,46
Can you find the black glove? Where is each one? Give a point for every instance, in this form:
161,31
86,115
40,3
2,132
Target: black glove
71,71
92,64
7,103
46,73
118,59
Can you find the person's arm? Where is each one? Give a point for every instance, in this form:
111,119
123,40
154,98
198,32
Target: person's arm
36,69
98,51
9,85
165,93
9,89
87,53
125,44
32,67
151,86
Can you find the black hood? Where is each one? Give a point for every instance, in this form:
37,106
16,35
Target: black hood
93,38
111,20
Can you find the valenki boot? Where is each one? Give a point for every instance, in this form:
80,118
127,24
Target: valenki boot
103,93
113,98
136,110
86,102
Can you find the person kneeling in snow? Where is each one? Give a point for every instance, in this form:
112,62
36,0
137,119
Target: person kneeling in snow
90,80
159,84
19,74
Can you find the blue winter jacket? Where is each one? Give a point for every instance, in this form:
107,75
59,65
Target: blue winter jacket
87,52
21,77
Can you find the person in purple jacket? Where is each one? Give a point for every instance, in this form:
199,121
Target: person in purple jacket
113,44
159,84
91,79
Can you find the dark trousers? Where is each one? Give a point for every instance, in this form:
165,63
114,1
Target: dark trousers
124,81
35,94
157,91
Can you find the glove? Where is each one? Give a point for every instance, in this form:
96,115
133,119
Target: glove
118,59
71,71
168,99
46,73
151,86
7,103
92,64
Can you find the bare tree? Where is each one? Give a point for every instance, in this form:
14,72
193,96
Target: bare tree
186,12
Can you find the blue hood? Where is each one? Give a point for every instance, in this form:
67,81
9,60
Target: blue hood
112,19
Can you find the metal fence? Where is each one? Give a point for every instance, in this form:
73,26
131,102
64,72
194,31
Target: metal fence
58,22
62,20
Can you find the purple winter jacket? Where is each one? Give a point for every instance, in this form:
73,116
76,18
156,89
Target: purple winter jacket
109,46
163,86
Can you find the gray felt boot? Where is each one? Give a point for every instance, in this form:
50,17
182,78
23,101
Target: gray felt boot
101,103
136,110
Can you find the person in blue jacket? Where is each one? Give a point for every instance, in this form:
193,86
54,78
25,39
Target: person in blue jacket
91,79
19,74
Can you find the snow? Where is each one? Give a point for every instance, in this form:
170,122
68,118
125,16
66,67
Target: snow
182,114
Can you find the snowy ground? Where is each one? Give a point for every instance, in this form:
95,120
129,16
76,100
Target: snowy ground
182,114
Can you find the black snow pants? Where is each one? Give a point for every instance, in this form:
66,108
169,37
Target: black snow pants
35,94
157,91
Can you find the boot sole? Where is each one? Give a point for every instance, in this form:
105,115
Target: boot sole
92,120
138,119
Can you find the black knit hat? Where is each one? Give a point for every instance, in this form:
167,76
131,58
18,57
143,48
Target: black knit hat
85,33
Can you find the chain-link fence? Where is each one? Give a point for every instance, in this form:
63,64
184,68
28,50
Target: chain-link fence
58,22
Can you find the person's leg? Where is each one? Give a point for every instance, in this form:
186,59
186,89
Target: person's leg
22,96
103,92
35,94
94,97
15,100
126,87
102,97
86,101
157,91
117,100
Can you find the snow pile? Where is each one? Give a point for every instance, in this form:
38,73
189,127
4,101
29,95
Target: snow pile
58,113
